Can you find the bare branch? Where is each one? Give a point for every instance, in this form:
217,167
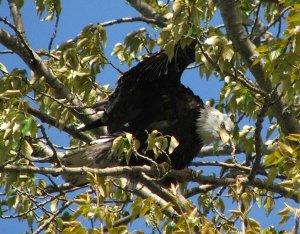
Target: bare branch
200,189
147,11
221,164
54,32
6,52
14,10
70,129
128,20
54,153
156,188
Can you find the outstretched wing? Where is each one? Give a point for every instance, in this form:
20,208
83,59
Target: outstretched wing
150,97
143,94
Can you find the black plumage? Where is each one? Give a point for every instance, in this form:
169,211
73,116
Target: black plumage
149,97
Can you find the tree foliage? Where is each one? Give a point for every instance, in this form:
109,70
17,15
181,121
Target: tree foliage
254,50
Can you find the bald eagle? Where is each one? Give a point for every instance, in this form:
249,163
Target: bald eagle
150,96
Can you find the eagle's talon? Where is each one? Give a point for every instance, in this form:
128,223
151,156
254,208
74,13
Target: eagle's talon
164,168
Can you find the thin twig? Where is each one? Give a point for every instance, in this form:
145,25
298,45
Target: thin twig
6,52
256,19
259,125
128,20
52,217
272,22
54,155
54,32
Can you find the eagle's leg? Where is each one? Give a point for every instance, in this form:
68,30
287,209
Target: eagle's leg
164,168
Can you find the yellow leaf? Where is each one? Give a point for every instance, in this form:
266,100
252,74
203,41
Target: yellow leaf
11,93
284,148
212,40
293,137
173,144
169,48
27,149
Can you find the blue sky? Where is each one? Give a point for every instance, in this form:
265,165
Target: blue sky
77,14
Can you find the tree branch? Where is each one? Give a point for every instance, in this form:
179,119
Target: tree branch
223,150
136,170
14,10
147,11
257,137
52,217
274,21
145,192
276,188
241,43
128,20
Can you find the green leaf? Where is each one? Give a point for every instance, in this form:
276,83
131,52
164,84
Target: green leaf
246,201
273,171
11,94
293,137
117,146
20,3
26,149
284,219
27,125
284,211
213,40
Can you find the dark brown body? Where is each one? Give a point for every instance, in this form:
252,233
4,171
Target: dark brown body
150,96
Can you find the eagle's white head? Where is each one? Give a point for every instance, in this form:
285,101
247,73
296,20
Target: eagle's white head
212,125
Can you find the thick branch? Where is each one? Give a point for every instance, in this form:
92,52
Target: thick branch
147,11
241,43
136,170
14,10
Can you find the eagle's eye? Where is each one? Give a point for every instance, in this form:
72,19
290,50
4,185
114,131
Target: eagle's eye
222,125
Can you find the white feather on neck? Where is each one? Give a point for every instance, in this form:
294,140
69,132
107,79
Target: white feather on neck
209,123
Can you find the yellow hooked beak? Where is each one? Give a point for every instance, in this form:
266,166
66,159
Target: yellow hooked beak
224,135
